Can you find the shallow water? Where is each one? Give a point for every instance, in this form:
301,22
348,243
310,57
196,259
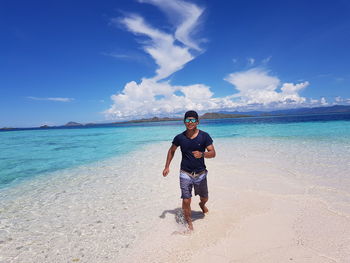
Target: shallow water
30,153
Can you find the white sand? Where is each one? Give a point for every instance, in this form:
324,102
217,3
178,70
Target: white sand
269,202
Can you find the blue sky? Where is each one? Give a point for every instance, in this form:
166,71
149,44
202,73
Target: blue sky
96,61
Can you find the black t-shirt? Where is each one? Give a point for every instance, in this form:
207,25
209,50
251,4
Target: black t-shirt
190,163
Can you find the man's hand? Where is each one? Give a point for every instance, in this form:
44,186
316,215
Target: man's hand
169,157
197,154
165,171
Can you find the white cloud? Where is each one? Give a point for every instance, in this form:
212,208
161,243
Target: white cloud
266,60
52,99
168,56
256,89
313,101
323,101
116,55
338,99
156,96
256,86
251,61
291,91
184,16
119,56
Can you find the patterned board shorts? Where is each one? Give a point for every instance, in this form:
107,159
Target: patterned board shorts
199,184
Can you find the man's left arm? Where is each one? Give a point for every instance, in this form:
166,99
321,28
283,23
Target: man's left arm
210,152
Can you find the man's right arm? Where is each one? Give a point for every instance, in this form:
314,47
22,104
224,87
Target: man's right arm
169,157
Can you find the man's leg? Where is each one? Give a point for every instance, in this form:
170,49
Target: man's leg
201,189
202,204
186,194
186,207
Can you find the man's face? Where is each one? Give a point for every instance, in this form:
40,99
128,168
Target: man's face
191,123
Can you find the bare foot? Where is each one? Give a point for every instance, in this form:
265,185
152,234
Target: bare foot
190,225
204,208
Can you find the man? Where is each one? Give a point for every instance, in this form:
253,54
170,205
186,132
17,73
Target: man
193,143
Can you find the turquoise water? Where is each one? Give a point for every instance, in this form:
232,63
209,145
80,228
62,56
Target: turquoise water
28,153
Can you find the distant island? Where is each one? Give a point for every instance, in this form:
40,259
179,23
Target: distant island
217,115
209,115
72,123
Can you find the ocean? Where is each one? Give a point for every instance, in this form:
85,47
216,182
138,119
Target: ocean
26,154
98,194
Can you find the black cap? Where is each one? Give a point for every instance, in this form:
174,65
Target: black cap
191,113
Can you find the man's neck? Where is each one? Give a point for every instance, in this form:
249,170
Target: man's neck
190,133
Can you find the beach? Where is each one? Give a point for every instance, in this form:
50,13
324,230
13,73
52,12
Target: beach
270,200
97,95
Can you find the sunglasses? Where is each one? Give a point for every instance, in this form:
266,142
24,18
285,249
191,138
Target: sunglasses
190,120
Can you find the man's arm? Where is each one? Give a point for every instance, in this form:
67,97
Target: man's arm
169,157
209,154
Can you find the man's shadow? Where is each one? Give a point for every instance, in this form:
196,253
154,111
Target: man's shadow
179,217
